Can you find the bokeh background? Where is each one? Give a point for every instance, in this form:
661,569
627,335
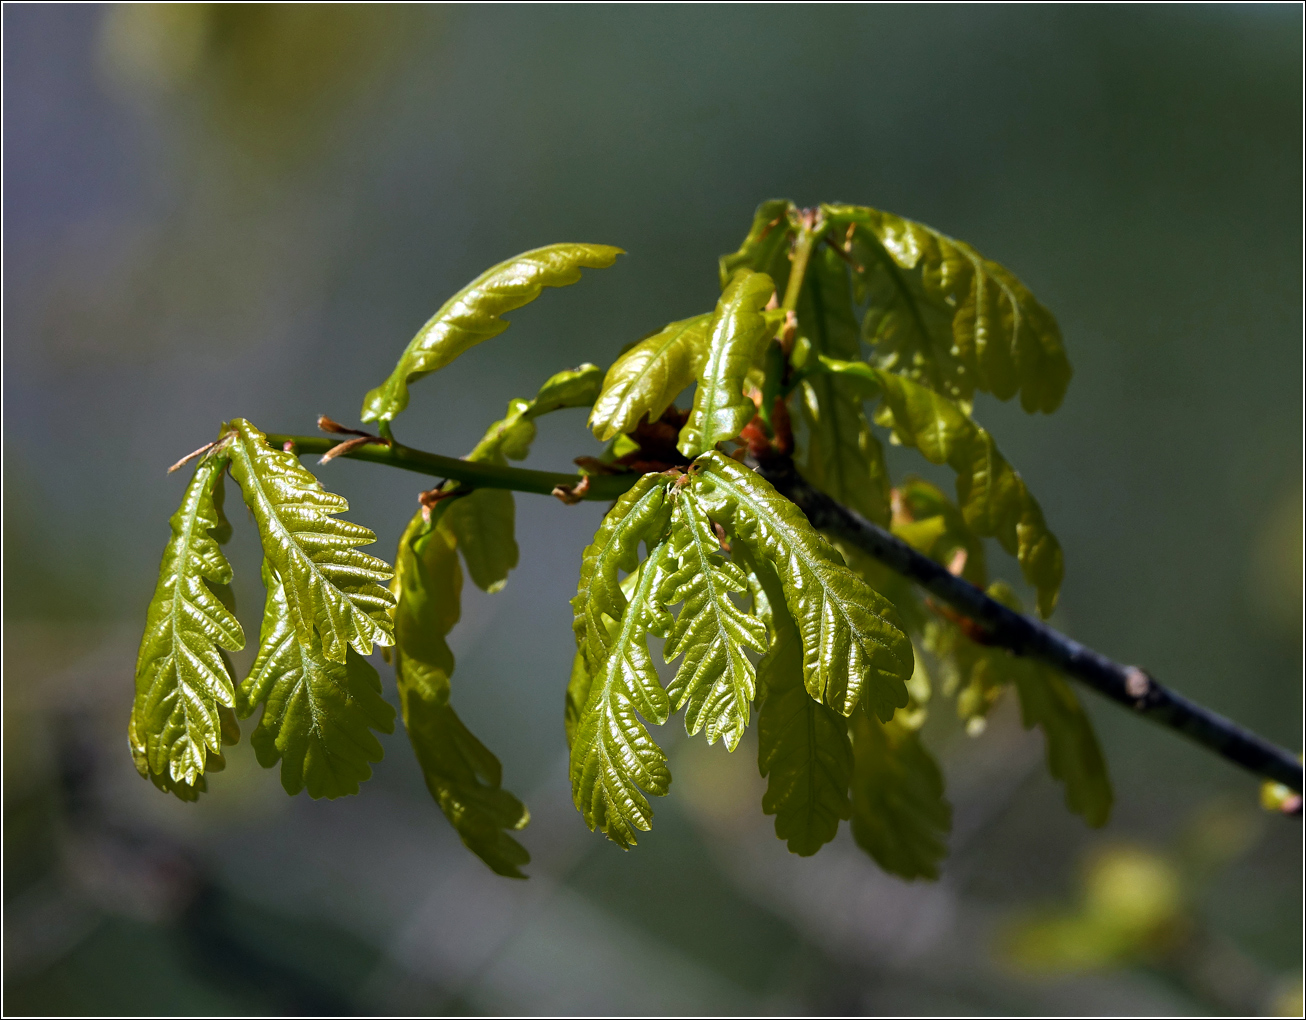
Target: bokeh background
214,211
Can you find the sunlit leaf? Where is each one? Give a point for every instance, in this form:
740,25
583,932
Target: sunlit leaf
333,590
182,676
318,714
716,681
853,644
473,315
643,382
766,248
735,339
899,814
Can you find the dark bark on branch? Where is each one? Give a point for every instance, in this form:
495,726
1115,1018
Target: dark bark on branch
1126,685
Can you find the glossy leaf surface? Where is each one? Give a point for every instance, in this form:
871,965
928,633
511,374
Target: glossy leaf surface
735,339
182,677
643,382
716,680
473,315
766,248
334,591
318,714
853,644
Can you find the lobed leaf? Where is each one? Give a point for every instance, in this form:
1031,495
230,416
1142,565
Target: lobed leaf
853,644
766,248
803,748
716,680
993,497
948,318
183,679
333,589
613,756
735,340
643,382
461,773
844,459
472,315
899,814
318,713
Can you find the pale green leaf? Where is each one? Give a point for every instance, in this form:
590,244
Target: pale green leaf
613,756
899,814
462,774
182,677
572,387
949,318
472,315
333,589
766,248
641,514
735,340
853,644
643,382
716,681
318,714
803,748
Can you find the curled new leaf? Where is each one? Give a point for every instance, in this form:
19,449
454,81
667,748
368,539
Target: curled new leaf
949,318
613,757
333,590
643,382
853,644
899,815
183,680
766,248
992,495
472,315
716,680
802,746
319,713
461,773
735,340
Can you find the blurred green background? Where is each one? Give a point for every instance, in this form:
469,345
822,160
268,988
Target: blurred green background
214,211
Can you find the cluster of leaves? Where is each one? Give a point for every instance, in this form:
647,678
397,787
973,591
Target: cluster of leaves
756,608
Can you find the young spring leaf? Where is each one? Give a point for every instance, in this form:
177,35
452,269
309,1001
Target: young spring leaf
853,644
992,495
461,773
318,714
331,587
643,382
182,677
844,459
766,248
949,318
716,680
613,756
803,748
472,315
899,814
735,340
640,515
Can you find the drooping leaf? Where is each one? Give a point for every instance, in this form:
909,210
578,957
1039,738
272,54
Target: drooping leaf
735,340
899,813
643,382
318,714
803,748
853,644
934,525
1073,754
182,677
472,315
641,514
766,248
333,590
716,681
572,387
462,774
844,459
993,497
952,320
613,755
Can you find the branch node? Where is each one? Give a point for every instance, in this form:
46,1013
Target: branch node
572,494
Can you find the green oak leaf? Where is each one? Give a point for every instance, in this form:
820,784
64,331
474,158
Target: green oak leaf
473,315
642,383
766,248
